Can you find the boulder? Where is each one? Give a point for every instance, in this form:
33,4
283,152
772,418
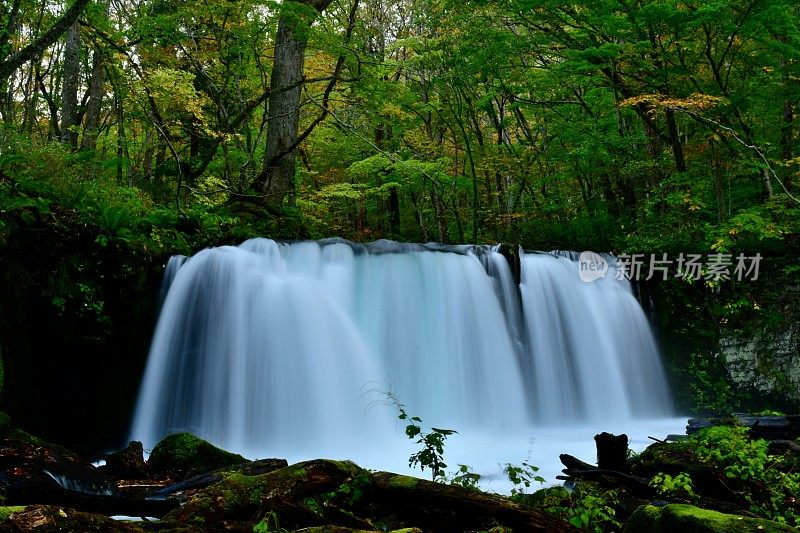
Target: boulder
691,519
127,464
31,467
183,454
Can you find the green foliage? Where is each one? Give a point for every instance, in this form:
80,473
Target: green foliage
269,524
679,487
729,448
709,385
522,476
767,483
587,507
465,477
431,453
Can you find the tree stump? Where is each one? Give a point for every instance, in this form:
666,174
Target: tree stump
612,451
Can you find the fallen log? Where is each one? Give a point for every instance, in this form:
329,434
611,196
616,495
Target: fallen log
339,493
438,507
572,462
253,468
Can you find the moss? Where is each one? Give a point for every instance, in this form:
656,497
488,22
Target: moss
5,512
691,519
296,493
406,482
182,454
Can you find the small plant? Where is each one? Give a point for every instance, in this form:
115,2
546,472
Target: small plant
594,513
588,507
465,477
432,453
679,487
269,524
522,476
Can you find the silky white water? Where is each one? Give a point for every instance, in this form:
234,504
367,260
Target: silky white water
288,350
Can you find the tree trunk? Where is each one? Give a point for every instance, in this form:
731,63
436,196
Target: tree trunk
69,87
787,140
277,178
95,105
675,141
35,48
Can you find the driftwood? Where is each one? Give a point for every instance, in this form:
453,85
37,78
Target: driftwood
611,470
577,469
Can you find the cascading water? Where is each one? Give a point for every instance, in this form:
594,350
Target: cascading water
270,349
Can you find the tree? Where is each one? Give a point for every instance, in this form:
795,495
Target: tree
71,76
10,63
277,178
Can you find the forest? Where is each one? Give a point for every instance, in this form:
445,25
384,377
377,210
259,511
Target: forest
135,130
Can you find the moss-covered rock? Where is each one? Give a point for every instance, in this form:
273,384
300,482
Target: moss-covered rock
691,519
294,496
183,454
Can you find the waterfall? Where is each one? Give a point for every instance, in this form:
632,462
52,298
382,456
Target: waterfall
273,346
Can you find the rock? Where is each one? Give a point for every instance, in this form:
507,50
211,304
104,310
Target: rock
784,427
183,454
783,447
127,464
30,467
691,519
35,472
46,519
